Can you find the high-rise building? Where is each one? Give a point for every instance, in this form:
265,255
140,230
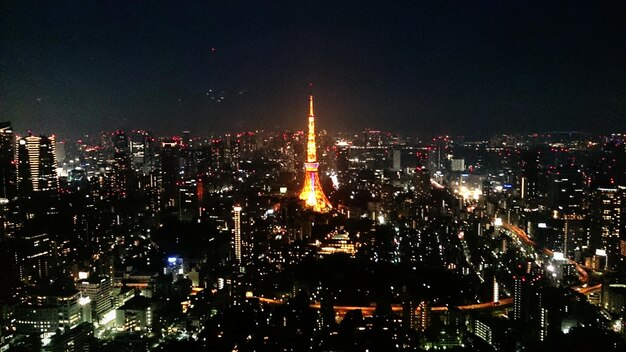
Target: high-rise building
312,193
421,182
424,316
120,175
98,289
529,175
188,200
397,160
138,149
141,151
606,223
409,316
483,331
496,291
48,311
37,164
225,153
526,296
237,234
24,176
68,303
77,339
567,190
35,256
120,142
170,171
613,294
135,315
521,297
8,171
343,157
543,323
60,152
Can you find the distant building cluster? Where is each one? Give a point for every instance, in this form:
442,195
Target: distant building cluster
311,240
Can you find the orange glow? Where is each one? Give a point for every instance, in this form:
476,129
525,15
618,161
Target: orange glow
200,190
311,153
368,311
583,276
312,192
311,106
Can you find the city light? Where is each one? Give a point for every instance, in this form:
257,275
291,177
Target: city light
463,186
84,301
469,193
312,193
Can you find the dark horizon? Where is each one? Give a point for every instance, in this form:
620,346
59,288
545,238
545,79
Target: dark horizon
423,68
219,133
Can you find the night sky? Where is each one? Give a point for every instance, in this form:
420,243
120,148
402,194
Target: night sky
422,67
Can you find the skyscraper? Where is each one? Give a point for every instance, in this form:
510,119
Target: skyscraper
188,199
121,166
312,193
98,289
520,297
606,223
529,175
170,171
8,171
37,164
237,234
425,315
24,177
141,151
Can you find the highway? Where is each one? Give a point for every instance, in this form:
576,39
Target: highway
504,303
589,289
522,236
368,311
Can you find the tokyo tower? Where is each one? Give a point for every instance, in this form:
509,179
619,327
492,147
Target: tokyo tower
312,193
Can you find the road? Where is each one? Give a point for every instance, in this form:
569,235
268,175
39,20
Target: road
589,289
504,303
582,273
369,310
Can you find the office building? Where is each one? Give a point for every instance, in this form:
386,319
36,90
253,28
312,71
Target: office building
37,164
8,169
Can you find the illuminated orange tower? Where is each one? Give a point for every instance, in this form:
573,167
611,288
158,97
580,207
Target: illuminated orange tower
312,193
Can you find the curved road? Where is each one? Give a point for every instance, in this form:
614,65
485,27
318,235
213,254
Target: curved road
369,310
522,236
504,303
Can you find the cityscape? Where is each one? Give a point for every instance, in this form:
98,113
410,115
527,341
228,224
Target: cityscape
208,228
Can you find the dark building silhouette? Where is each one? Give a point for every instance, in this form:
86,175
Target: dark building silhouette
8,170
37,164
170,172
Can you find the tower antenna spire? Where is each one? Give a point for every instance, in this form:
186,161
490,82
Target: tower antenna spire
311,112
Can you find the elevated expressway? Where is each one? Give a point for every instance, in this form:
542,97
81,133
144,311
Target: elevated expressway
583,275
368,311
487,306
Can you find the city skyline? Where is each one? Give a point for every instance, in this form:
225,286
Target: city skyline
515,240
318,176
